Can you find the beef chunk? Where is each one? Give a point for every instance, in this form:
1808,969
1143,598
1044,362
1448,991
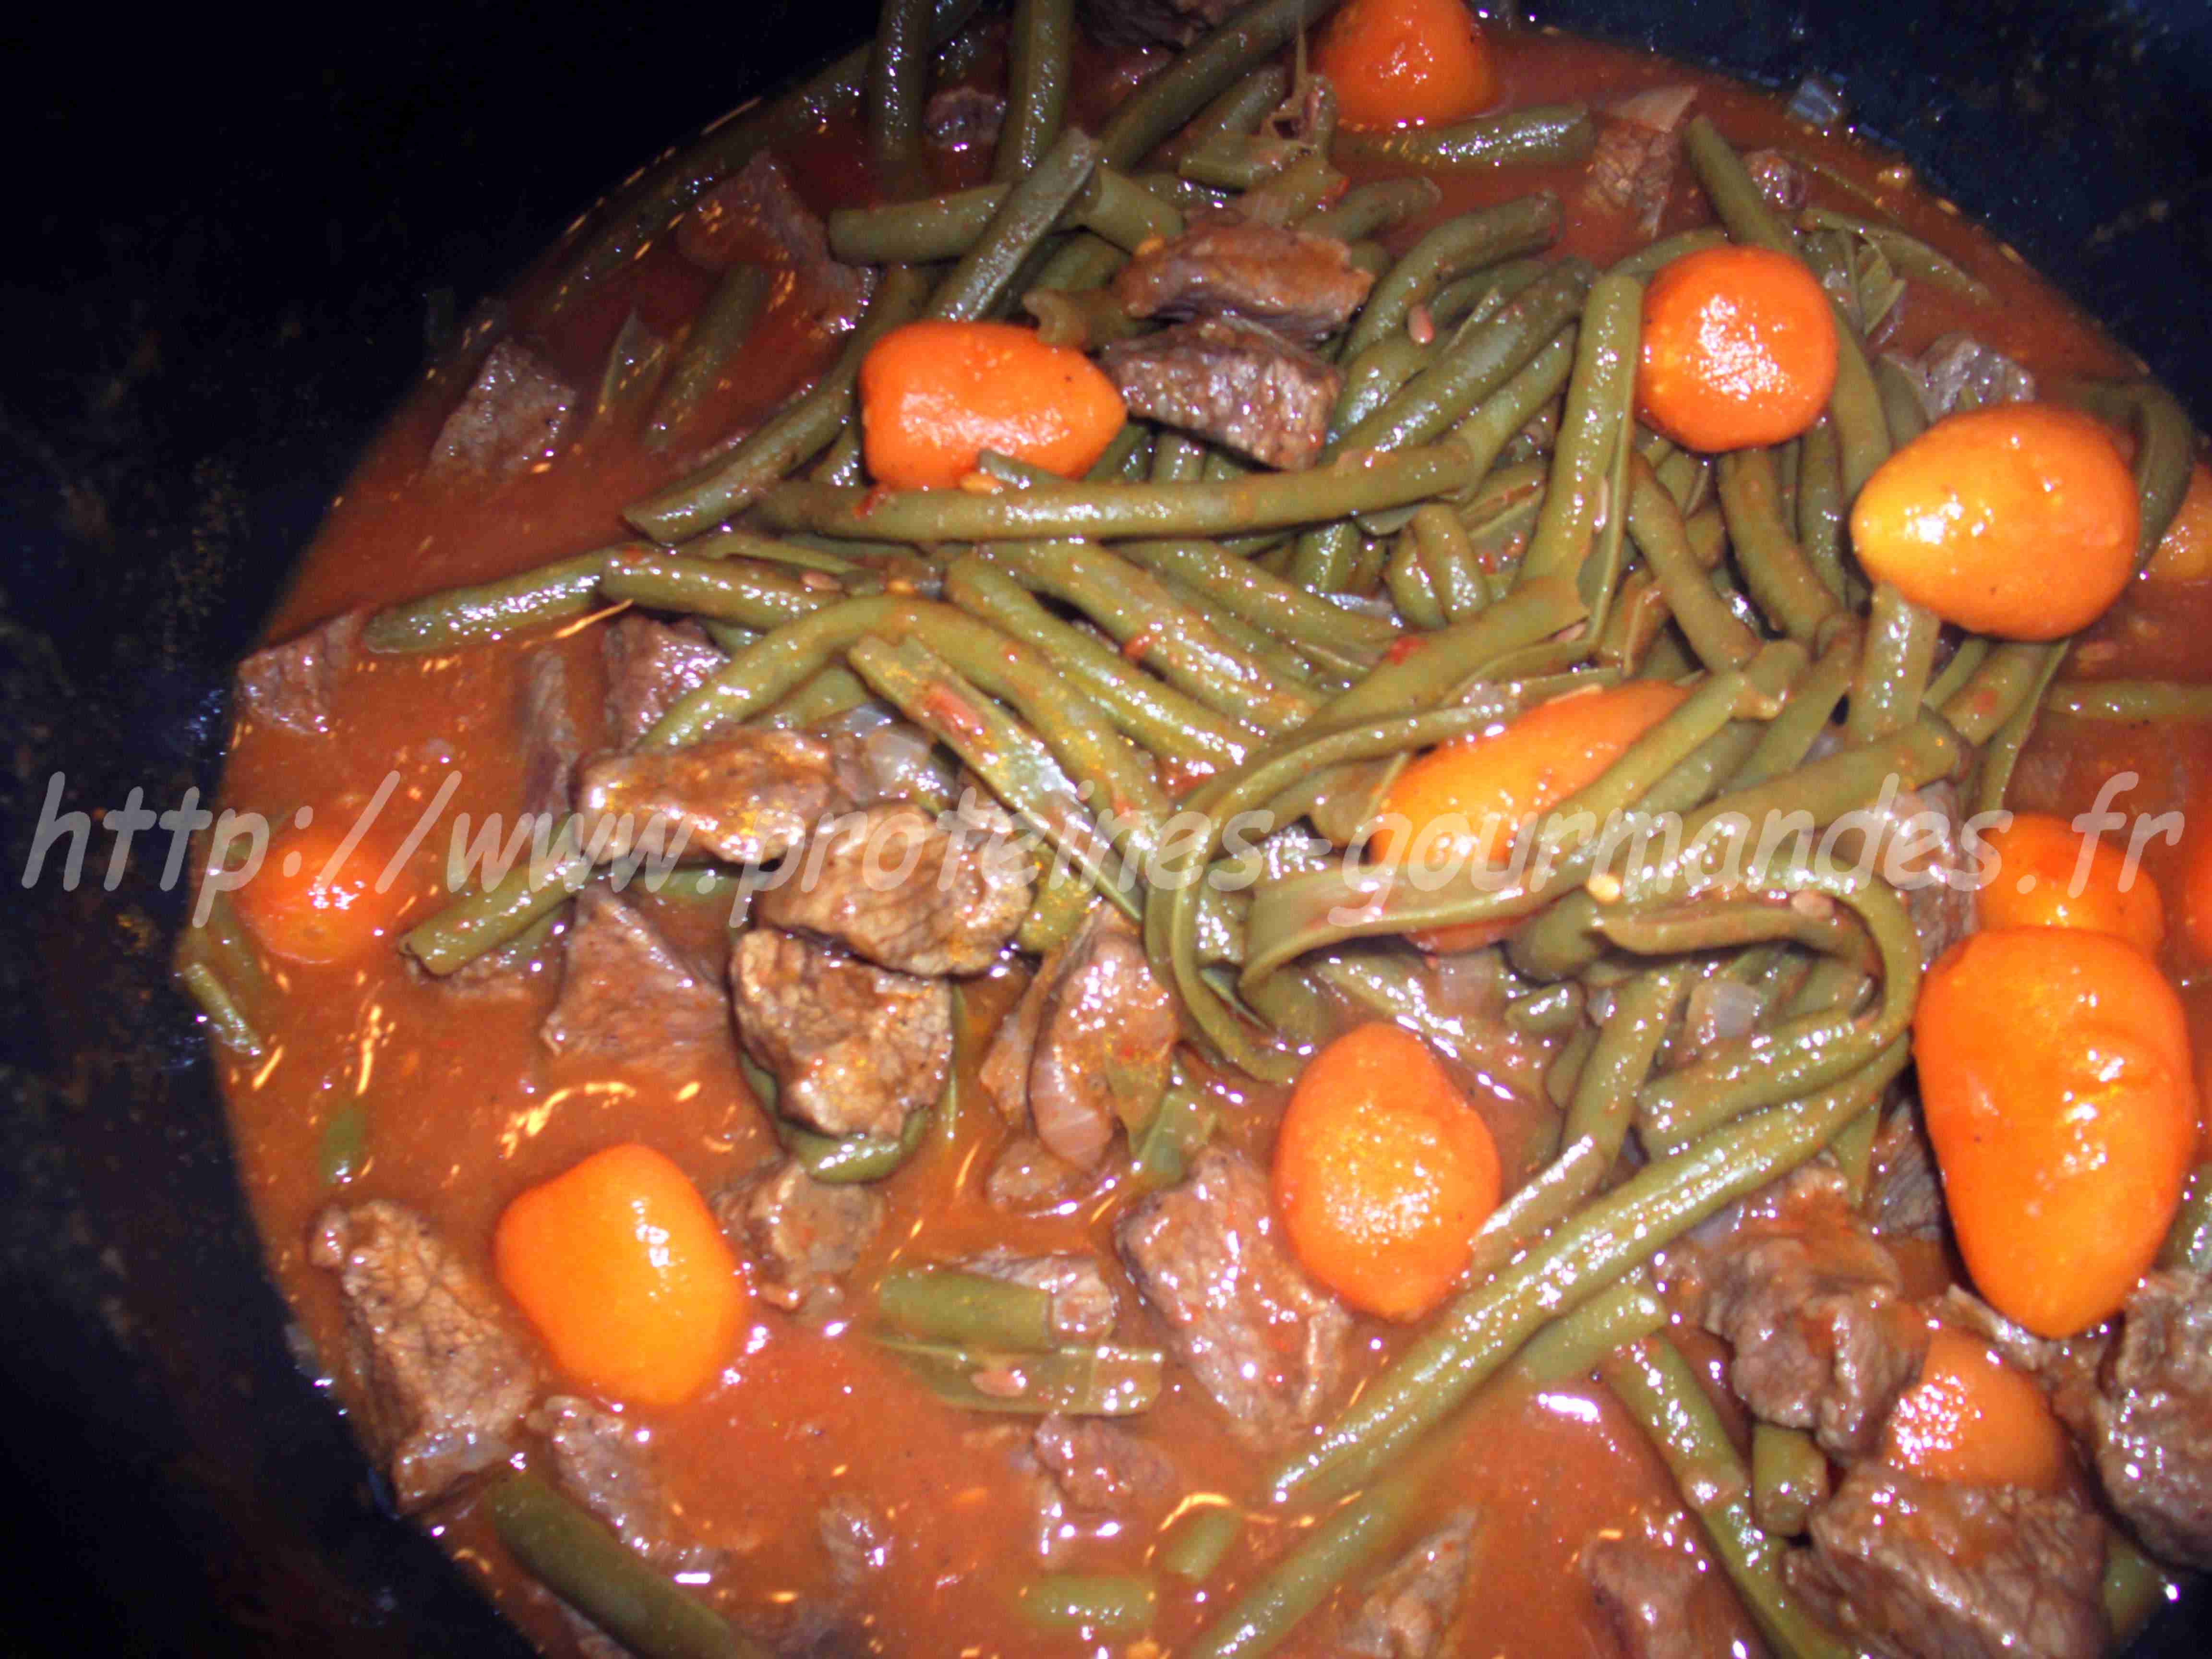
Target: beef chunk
908,890
1780,178
605,1463
1958,372
1101,1466
1083,1304
514,414
1405,1614
626,995
290,684
1907,1198
1237,384
1918,1568
443,1384
800,1233
1089,1042
1261,1337
1821,1341
651,665
2152,1419
549,745
854,1047
756,215
1648,1592
1155,23
1639,144
961,117
1925,861
1301,285
1024,1177
858,1539
747,797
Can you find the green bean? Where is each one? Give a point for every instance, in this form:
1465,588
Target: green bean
1165,721
1554,1011
1495,422
1184,1121
796,433
1576,1343
1721,638
1038,53
1447,557
1820,506
1411,591
1482,1328
487,919
2163,702
1345,641
1542,132
1199,1539
1593,429
1781,748
560,592
636,363
1353,1538
1967,658
1782,580
1127,456
1232,162
1239,111
1101,1602
1904,414
226,1023
1856,405
1177,458
1459,244
1166,102
1255,645
941,1304
1111,1380
1323,559
1022,220
565,1548
1064,897
2003,751
1910,255
849,1160
757,595
1366,209
1184,195
1789,1479
1457,655
714,339
1894,669
940,227
2188,1241
898,81
1662,1394
1084,260
1995,691
2165,450
1647,262
2134,1588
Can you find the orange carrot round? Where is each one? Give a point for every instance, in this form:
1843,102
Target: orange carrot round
620,1268
1406,62
1739,349
2060,1094
305,908
2184,554
1382,1172
2038,867
1974,1419
2018,521
935,395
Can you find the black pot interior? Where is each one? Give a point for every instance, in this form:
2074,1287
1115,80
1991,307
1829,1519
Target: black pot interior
232,247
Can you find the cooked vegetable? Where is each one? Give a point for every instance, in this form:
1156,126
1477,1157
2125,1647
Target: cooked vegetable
2048,874
1739,349
2185,551
1395,63
322,895
1974,1419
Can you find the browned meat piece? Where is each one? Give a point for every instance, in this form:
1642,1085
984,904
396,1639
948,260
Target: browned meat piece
549,745
1810,1305
1958,372
961,117
908,890
626,995
1241,385
1649,1593
2152,1418
1780,178
1906,1199
1155,23
514,414
1301,285
1083,1306
1639,144
858,1539
854,1047
605,1463
290,684
1407,1613
1261,1337
1101,1466
756,215
1089,1042
442,1383
798,1232
650,665
747,797
1919,1569
1927,863
1026,1178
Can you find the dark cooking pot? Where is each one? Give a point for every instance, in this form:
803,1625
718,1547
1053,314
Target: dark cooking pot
223,254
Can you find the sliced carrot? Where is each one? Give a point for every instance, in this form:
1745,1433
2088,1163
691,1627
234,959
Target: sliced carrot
619,1267
2184,554
1973,1419
1406,62
1739,349
2060,1094
2018,521
1382,1172
307,904
935,395
2196,884
2038,880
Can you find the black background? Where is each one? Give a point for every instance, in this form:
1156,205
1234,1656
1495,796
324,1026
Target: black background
222,241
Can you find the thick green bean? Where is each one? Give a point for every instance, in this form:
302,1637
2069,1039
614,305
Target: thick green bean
1023,220
713,341
849,1160
476,615
1717,634
2161,702
1366,209
2134,1588
1105,1602
898,81
1594,429
1782,580
1199,1539
1995,691
1542,132
755,594
1160,1155
487,919
1231,162
636,363
1082,261
974,1311
226,1023
941,228
1108,1381
1458,245
1494,422
1239,112
1039,49
1347,640
1820,506
1574,1345
1894,669
1163,103
1789,1479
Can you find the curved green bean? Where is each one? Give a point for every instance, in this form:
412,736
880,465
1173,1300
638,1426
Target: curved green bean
1458,245
1366,209
1163,103
1039,49
715,338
